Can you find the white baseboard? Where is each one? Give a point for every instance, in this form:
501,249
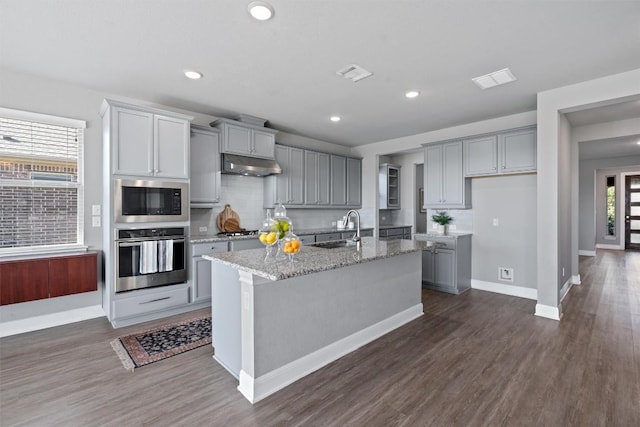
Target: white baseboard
36,323
564,290
500,288
256,389
575,279
550,312
612,247
586,253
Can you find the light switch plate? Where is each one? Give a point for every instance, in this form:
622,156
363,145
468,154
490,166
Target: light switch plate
95,210
203,228
95,221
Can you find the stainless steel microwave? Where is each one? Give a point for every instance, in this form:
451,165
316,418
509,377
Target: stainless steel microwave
139,200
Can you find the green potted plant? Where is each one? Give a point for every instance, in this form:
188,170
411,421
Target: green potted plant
441,218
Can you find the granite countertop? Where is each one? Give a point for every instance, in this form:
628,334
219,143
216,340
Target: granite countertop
312,259
198,238
449,235
210,238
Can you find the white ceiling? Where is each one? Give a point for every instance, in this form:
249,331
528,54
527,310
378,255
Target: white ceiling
610,148
284,69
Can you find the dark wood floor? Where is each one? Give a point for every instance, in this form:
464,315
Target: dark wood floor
472,360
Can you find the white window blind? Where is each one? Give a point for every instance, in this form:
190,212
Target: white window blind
41,195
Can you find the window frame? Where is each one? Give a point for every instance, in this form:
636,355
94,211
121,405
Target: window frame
80,125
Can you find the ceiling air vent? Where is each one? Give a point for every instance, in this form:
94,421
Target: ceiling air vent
354,73
496,78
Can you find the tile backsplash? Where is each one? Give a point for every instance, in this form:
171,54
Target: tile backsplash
245,194
462,219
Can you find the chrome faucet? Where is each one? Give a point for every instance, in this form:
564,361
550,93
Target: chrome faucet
356,238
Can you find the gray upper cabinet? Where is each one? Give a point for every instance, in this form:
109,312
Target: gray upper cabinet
316,178
288,187
444,184
354,182
338,180
205,167
346,181
389,186
518,151
148,142
312,179
245,139
481,155
505,152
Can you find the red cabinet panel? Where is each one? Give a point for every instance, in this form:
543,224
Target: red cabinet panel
22,281
72,275
29,280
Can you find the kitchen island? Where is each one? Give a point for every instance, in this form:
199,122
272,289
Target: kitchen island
276,321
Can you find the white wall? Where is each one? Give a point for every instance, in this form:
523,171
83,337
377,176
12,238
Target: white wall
551,208
512,244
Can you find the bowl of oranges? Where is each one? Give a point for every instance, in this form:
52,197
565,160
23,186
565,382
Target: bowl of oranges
291,245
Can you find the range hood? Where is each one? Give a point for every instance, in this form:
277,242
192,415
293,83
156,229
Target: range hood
250,166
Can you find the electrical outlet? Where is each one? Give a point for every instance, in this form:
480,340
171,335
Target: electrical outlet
434,225
203,228
95,221
95,210
496,222
505,274
452,227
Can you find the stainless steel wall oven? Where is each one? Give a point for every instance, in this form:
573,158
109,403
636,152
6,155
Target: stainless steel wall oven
150,257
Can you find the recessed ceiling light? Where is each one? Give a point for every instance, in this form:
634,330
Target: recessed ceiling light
260,10
335,119
412,94
193,75
638,142
496,78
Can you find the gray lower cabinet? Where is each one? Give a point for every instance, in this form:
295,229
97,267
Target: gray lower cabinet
307,239
446,266
325,237
395,233
200,271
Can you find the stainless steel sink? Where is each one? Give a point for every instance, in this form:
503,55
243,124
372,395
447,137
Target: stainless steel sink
333,244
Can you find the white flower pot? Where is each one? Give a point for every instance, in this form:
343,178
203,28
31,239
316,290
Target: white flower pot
442,229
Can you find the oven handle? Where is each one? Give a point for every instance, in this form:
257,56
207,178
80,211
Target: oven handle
131,243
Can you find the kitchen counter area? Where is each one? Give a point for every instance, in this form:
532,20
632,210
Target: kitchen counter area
313,259
210,238
276,321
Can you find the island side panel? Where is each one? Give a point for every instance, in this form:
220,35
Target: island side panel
226,317
295,317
